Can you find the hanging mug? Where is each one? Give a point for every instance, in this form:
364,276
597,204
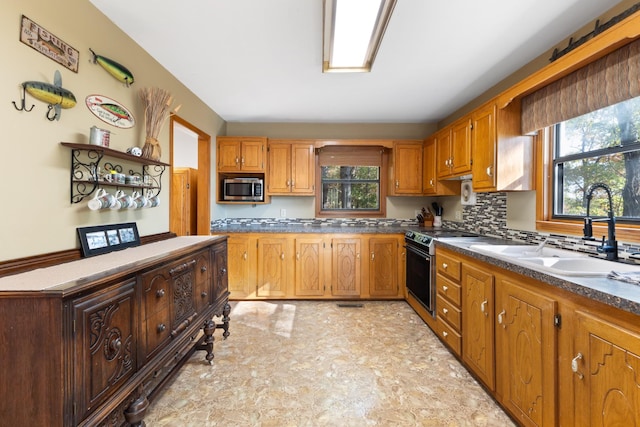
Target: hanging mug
101,200
124,199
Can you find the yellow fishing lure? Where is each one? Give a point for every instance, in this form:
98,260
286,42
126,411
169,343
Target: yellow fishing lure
120,72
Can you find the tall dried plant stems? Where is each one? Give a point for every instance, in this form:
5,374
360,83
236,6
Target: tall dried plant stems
157,108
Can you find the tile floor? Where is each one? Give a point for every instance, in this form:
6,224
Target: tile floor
313,363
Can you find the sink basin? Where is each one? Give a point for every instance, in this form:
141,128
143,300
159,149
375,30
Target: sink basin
520,251
583,266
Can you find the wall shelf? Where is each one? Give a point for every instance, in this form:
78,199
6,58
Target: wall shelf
88,162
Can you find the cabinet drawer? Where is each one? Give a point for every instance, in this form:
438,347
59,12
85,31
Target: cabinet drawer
451,291
157,331
447,334
448,266
449,312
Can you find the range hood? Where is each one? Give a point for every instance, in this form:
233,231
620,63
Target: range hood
458,178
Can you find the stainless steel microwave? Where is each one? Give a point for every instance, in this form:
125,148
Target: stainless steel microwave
243,189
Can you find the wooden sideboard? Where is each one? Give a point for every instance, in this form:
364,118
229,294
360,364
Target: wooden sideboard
90,342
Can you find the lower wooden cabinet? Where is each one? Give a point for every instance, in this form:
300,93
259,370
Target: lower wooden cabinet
316,266
548,356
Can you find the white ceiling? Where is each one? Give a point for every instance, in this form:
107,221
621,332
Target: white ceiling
261,60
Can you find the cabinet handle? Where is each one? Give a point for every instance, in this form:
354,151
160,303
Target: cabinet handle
161,327
483,308
203,294
444,265
445,334
297,256
445,311
237,160
489,171
358,255
288,183
501,319
244,255
431,182
373,255
574,365
282,256
115,345
160,293
242,160
293,183
451,162
445,288
203,269
397,183
223,271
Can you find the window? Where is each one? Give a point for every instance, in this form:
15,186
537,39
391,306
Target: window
598,147
351,181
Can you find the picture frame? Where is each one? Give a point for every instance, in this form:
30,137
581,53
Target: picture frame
102,239
48,44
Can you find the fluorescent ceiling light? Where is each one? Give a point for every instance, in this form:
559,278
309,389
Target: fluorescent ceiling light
353,30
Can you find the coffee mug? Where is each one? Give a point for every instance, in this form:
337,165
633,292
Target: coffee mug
154,201
124,199
139,200
101,200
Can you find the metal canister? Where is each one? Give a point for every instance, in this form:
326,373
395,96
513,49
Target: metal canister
99,136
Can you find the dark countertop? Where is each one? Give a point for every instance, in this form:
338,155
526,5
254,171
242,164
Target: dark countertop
312,228
615,293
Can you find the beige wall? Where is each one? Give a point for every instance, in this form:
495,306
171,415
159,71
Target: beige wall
37,216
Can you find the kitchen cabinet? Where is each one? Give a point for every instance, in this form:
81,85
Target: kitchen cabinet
431,186
448,300
453,149
273,275
241,154
526,352
184,202
346,267
383,267
406,168
291,168
102,346
605,363
478,347
502,158
241,258
309,266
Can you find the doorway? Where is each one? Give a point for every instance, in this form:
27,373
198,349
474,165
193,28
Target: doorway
190,148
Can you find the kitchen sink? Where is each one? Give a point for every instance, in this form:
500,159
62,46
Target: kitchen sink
583,266
554,260
520,251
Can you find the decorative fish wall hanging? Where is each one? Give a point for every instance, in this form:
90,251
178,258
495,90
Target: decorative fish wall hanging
110,111
53,94
120,72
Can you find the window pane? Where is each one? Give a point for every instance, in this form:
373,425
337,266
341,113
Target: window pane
355,188
599,147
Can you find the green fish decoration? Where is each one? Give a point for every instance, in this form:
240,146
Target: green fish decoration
120,72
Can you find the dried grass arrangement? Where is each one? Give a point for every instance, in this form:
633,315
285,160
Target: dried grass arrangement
157,109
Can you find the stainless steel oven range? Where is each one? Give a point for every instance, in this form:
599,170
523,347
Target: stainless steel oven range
420,268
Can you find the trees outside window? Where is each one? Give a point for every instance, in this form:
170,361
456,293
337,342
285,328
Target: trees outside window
602,146
350,188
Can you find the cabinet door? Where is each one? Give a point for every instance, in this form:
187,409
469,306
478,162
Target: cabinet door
407,168
383,267
272,274
443,153
228,155
184,202
203,292
526,360
484,148
461,147
309,267
219,272
302,169
252,155
279,169
429,167
155,311
607,367
477,321
238,265
345,272
104,345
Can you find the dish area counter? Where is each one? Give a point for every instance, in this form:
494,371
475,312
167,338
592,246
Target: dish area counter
90,342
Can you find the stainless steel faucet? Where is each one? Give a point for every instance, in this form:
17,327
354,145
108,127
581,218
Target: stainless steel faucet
610,246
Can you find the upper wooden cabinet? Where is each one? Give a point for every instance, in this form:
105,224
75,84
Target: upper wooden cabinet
453,149
241,154
502,158
406,166
431,186
291,168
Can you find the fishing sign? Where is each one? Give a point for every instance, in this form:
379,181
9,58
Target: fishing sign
49,45
110,111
